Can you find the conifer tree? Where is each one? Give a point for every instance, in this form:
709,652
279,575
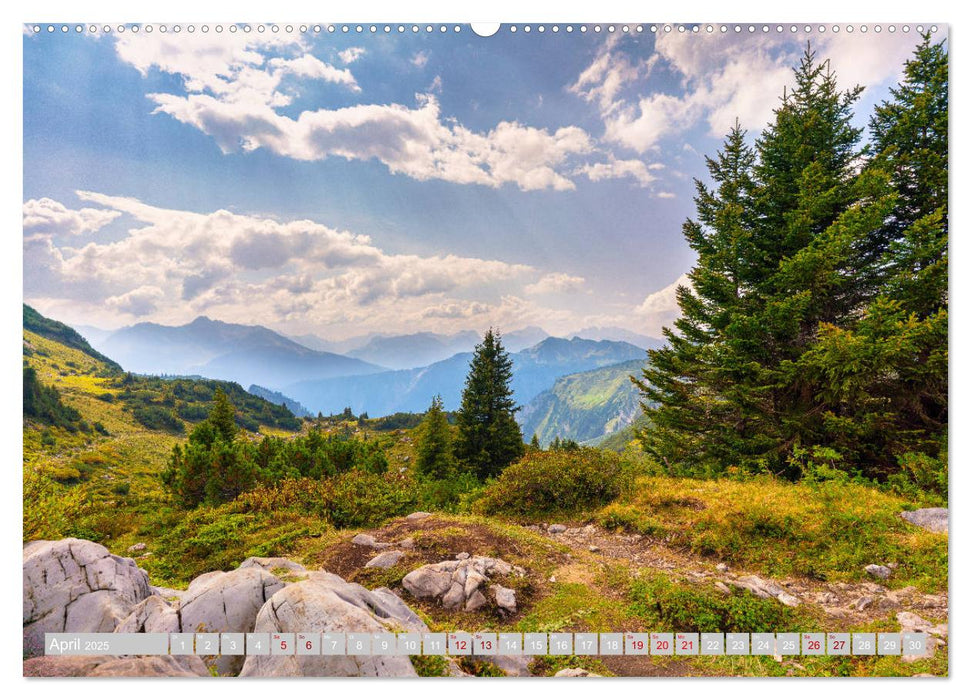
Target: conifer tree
222,417
489,439
688,383
433,445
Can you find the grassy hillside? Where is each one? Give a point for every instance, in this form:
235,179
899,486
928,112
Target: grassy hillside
55,330
586,406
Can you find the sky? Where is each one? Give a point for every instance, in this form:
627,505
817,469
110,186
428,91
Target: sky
349,183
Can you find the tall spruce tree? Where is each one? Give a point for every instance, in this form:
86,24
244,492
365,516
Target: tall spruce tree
489,439
688,384
433,446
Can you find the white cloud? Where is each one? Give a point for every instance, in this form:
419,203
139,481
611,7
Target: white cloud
412,141
419,59
555,283
138,302
616,168
232,67
234,89
609,73
46,216
456,310
723,78
351,54
666,195
308,66
173,264
660,308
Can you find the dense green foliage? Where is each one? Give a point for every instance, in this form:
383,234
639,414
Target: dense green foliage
218,464
63,334
489,438
816,318
686,608
43,404
556,481
163,403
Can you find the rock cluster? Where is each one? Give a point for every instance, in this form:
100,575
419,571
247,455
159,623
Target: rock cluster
459,583
79,586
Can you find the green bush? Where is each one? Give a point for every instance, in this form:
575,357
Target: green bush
447,495
558,481
361,499
158,418
688,608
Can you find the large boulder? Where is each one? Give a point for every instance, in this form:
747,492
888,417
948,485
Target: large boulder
123,666
219,601
73,585
227,601
459,583
933,519
327,603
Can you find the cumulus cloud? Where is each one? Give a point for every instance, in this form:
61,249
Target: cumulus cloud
138,302
615,168
660,308
46,216
555,283
722,77
171,264
456,310
351,54
412,141
235,86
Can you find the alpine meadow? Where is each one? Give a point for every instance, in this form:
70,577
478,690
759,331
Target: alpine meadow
619,342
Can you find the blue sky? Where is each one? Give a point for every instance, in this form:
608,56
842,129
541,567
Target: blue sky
349,183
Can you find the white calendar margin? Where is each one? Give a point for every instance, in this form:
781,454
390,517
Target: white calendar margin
443,11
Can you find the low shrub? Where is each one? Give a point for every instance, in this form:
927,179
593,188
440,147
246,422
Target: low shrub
557,481
690,608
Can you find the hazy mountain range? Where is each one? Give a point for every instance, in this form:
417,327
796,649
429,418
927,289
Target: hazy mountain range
569,387
230,351
534,370
417,349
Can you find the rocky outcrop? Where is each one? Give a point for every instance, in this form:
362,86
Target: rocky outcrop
118,667
575,673
933,519
77,586
327,603
458,583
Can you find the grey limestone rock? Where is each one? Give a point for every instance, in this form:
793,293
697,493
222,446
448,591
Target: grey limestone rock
74,585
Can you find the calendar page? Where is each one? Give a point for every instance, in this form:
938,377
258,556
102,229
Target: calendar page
457,350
